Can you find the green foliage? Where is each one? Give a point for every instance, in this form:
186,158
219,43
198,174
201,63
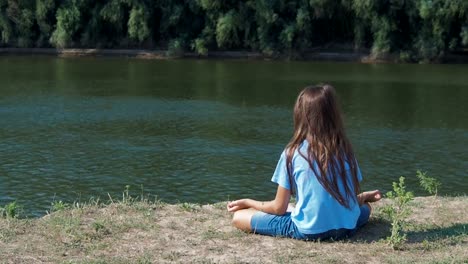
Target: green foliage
429,184
438,23
45,11
59,206
5,29
382,29
190,207
287,36
226,29
113,12
397,212
200,47
464,35
24,27
126,198
16,21
137,26
423,29
91,35
10,210
68,22
99,227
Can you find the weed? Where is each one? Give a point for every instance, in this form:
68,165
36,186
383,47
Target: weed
126,198
79,205
157,203
57,206
429,184
11,210
190,207
98,226
397,211
100,230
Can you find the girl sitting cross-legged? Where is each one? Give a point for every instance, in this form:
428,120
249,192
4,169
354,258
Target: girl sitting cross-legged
318,166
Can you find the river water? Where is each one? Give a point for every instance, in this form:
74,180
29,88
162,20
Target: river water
208,130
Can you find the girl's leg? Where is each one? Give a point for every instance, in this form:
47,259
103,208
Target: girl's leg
242,219
364,216
251,220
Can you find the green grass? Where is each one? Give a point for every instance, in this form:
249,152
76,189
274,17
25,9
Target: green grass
135,230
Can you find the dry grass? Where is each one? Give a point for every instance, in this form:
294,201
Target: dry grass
142,232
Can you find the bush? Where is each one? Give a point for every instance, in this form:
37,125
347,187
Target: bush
137,26
397,211
45,11
199,45
431,185
68,23
227,30
11,210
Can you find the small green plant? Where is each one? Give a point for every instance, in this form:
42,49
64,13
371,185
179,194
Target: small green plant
126,198
431,185
59,206
190,207
11,210
100,229
397,211
98,226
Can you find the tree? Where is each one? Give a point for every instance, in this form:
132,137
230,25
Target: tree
68,23
137,25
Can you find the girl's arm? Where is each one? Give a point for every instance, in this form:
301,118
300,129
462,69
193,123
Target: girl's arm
277,207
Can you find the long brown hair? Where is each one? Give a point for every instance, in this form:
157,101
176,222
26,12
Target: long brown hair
317,119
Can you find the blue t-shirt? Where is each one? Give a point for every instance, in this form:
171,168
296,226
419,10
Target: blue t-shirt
316,210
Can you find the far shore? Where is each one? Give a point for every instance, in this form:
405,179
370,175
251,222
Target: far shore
140,231
319,55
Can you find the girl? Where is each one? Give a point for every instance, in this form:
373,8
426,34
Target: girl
318,167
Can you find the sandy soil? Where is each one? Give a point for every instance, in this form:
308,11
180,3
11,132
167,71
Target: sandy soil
144,232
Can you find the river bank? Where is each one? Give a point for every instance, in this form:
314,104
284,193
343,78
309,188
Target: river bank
165,54
362,56
154,232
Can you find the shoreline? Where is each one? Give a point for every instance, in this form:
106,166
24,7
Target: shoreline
139,231
164,54
323,55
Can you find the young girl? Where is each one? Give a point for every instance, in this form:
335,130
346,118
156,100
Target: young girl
318,167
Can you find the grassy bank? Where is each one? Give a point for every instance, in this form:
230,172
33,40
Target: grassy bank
153,232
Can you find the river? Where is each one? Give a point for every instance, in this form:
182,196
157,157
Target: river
203,131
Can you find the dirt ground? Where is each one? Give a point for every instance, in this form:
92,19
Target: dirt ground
153,232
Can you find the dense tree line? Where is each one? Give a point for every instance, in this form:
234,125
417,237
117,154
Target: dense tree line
415,29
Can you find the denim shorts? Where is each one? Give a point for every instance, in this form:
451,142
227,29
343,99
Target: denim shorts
283,226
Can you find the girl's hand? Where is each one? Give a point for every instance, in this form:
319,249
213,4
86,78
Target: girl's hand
237,205
372,196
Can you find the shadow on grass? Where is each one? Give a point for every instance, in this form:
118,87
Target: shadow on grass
379,229
437,233
373,231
